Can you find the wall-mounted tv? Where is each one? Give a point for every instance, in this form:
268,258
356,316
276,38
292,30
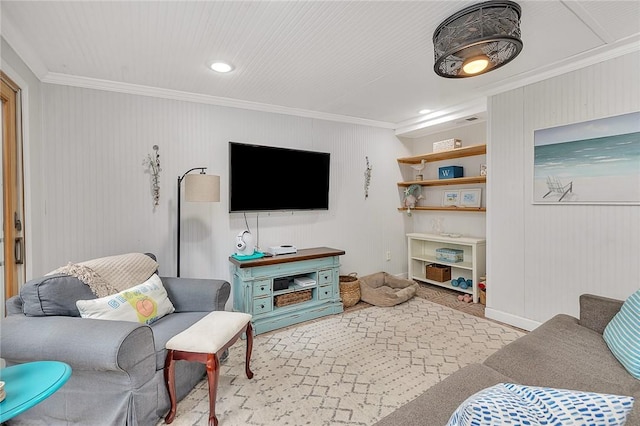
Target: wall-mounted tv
267,178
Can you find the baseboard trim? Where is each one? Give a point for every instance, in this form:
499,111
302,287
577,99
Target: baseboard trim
514,320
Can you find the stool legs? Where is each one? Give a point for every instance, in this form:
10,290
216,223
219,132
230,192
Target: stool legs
249,334
170,380
213,373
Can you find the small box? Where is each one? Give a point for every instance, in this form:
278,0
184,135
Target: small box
447,145
281,283
440,273
450,255
450,172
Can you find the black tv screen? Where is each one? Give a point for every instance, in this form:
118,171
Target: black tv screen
266,178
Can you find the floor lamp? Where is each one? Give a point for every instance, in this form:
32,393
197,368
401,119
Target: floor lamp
198,187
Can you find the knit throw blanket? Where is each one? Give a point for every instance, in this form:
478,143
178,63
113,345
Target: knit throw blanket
113,274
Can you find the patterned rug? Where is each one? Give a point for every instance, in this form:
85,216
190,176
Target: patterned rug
348,369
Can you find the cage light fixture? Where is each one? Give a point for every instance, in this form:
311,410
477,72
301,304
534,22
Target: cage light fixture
477,39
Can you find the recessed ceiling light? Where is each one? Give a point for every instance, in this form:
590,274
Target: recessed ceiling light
219,66
424,111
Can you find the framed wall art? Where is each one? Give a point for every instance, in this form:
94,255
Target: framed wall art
450,198
593,162
470,197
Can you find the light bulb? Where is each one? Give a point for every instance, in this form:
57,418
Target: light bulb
475,65
221,67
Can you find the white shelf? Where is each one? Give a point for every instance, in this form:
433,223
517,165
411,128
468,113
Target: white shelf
422,252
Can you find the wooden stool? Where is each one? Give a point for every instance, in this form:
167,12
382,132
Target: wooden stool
202,342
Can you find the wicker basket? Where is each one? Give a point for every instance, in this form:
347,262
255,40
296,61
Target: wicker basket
349,289
292,298
483,297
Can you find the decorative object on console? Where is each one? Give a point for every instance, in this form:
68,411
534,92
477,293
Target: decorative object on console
153,168
199,188
245,245
367,178
483,169
477,39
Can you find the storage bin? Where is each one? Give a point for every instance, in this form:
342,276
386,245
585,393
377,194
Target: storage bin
446,145
292,298
440,273
450,172
450,255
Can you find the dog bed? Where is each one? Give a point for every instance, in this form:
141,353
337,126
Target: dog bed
383,289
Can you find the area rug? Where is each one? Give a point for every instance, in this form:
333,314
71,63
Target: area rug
348,369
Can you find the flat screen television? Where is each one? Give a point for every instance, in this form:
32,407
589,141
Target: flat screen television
267,178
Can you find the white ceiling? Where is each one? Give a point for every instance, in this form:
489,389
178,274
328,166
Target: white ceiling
355,61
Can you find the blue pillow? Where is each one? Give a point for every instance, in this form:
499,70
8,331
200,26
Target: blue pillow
622,335
512,404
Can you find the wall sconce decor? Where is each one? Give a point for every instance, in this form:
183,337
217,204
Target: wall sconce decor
153,168
478,39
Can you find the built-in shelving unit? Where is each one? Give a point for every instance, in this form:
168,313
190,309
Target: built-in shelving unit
467,151
422,252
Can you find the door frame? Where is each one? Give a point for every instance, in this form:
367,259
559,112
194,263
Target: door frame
14,201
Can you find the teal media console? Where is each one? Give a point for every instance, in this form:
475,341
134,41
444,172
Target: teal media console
254,291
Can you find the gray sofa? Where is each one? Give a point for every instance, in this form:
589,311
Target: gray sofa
564,352
117,366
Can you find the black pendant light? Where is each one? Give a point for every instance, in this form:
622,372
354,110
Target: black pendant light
477,39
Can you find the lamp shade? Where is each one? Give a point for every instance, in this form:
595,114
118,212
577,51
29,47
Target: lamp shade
201,187
477,39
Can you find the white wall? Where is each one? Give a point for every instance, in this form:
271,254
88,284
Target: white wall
98,200
542,257
471,224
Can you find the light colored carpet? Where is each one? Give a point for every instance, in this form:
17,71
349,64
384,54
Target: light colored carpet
348,369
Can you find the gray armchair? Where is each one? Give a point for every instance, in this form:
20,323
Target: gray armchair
117,366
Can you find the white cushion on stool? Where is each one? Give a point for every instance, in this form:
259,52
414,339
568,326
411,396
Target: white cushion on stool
211,333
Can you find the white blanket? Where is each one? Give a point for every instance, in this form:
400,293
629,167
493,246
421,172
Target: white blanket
113,274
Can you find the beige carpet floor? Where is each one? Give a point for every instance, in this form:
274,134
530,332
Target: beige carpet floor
348,369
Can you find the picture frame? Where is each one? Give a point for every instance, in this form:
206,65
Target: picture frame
470,197
450,198
589,162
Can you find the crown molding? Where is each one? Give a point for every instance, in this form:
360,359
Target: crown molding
441,120
136,89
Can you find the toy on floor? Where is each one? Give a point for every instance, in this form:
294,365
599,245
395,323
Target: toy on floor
383,289
467,298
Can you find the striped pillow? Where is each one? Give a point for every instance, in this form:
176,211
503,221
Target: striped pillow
622,335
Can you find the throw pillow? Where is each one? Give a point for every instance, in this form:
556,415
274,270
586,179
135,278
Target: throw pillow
622,335
144,303
511,404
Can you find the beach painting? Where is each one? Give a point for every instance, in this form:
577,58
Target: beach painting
594,162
